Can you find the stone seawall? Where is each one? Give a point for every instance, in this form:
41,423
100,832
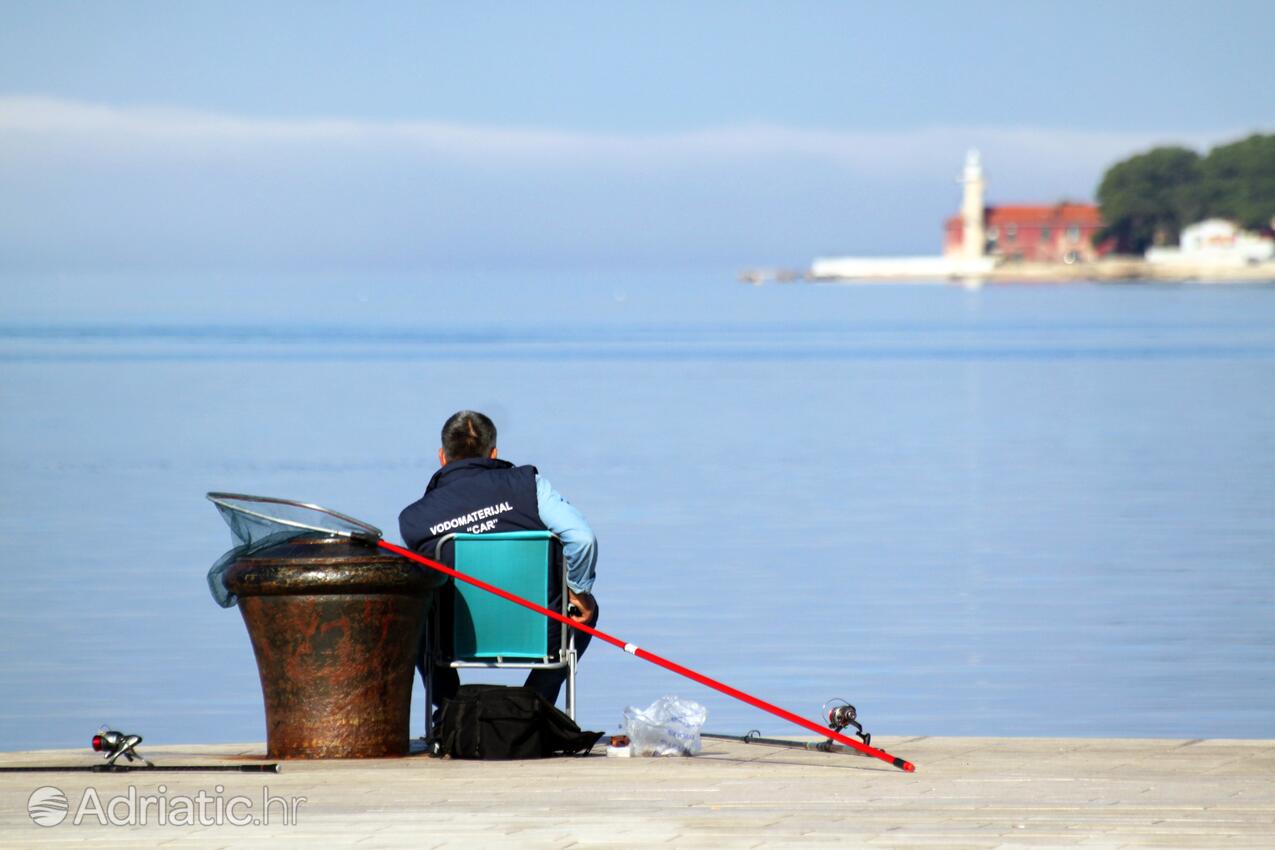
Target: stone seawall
940,269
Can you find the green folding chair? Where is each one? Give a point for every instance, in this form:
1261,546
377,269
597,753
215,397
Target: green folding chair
493,633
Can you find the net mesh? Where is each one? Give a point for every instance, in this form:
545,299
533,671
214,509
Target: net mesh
258,522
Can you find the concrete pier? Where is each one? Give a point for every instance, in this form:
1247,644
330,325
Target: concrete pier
966,793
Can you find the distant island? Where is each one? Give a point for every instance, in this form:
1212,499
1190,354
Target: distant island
1166,214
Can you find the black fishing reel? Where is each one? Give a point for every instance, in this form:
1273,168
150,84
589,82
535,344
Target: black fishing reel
839,714
112,745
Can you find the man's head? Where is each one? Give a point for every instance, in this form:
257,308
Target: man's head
466,434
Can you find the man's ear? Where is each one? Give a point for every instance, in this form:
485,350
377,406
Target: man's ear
493,453
442,458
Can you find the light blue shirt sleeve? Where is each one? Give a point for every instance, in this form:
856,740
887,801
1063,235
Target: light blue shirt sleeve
579,546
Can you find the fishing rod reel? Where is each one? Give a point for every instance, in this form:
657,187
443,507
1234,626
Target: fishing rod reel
112,744
839,714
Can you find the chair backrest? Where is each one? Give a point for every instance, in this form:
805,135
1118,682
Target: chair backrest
526,563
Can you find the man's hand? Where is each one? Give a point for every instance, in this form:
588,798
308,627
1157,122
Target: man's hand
584,604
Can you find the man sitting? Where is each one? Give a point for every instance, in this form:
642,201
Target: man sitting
473,480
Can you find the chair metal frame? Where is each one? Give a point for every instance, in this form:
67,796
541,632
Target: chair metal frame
566,651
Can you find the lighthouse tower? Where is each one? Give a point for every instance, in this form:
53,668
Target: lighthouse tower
974,237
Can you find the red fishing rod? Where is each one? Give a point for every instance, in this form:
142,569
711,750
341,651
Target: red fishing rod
654,659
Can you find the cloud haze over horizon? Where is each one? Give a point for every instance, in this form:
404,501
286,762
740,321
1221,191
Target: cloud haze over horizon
162,186
226,135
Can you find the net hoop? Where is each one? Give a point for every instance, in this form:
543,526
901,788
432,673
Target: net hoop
361,531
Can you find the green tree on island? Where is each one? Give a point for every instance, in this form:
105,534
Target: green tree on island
1148,198
1237,181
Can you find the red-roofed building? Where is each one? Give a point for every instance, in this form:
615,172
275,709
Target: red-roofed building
1061,233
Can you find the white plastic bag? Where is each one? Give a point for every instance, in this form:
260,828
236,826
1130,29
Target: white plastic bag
667,727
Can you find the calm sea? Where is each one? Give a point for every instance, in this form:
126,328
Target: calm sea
1022,510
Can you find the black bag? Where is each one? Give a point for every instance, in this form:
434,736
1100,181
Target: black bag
501,722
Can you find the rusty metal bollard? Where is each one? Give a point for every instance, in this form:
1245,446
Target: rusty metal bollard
335,624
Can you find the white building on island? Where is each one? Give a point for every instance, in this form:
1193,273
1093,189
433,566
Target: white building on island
1216,242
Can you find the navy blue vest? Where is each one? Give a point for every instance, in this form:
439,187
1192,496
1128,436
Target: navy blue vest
474,496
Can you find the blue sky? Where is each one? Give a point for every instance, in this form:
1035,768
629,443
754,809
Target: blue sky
409,135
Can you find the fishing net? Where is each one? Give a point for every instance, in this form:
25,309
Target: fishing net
258,522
